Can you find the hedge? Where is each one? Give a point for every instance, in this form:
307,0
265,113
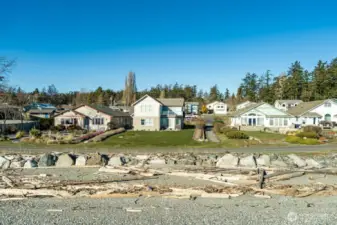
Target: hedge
237,135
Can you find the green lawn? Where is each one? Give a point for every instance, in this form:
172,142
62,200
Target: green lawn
264,135
134,139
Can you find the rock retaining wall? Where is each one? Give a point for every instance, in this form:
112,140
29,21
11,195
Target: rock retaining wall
204,160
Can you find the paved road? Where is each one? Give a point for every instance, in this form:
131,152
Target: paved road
242,210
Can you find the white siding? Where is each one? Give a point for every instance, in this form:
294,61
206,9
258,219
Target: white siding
147,107
94,114
323,110
220,108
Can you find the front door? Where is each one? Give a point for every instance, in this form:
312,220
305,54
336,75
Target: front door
250,121
254,122
314,122
172,123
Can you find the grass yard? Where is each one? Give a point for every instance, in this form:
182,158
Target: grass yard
265,136
134,139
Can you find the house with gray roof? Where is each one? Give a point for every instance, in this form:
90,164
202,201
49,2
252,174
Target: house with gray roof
261,115
40,110
286,104
158,113
311,113
93,117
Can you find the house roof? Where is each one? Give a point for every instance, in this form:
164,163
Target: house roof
304,107
78,113
108,111
289,101
246,109
255,106
41,111
142,98
311,114
172,101
245,102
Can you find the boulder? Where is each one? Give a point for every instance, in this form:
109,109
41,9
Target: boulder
263,160
117,161
94,159
171,161
47,160
297,160
186,162
227,160
81,160
30,163
209,162
17,164
64,160
278,163
311,163
142,157
248,161
4,163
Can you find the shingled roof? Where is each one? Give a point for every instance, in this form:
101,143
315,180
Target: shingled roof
172,101
109,111
304,107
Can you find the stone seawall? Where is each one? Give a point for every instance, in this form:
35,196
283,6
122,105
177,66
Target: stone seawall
202,160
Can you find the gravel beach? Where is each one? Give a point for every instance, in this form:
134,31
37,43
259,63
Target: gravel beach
242,210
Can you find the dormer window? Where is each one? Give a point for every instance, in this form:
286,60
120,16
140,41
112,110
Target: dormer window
327,104
283,105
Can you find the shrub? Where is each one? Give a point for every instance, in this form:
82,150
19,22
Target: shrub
225,130
298,140
19,134
46,123
237,135
315,129
293,139
74,127
10,129
59,127
307,135
217,126
35,133
309,141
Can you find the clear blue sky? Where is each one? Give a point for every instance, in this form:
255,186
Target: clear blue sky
85,44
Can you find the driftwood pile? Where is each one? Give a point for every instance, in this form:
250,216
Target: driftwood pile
222,183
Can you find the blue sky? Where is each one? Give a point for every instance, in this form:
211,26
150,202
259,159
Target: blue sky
85,44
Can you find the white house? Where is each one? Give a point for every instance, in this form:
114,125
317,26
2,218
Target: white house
158,114
286,104
243,105
261,115
311,113
93,117
217,107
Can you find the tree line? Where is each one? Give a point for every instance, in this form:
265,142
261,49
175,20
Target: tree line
296,83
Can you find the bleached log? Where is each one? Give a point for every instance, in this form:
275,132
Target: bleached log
34,193
113,170
8,181
287,176
262,196
215,195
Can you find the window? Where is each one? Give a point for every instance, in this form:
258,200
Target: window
146,108
177,121
327,117
62,121
98,121
283,105
146,122
327,104
285,122
271,122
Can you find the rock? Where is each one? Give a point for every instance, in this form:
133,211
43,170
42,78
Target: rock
297,160
117,161
263,160
171,161
248,161
227,160
17,164
4,163
81,160
278,163
198,162
47,160
209,162
142,157
94,159
64,160
186,162
157,161
30,163
311,163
